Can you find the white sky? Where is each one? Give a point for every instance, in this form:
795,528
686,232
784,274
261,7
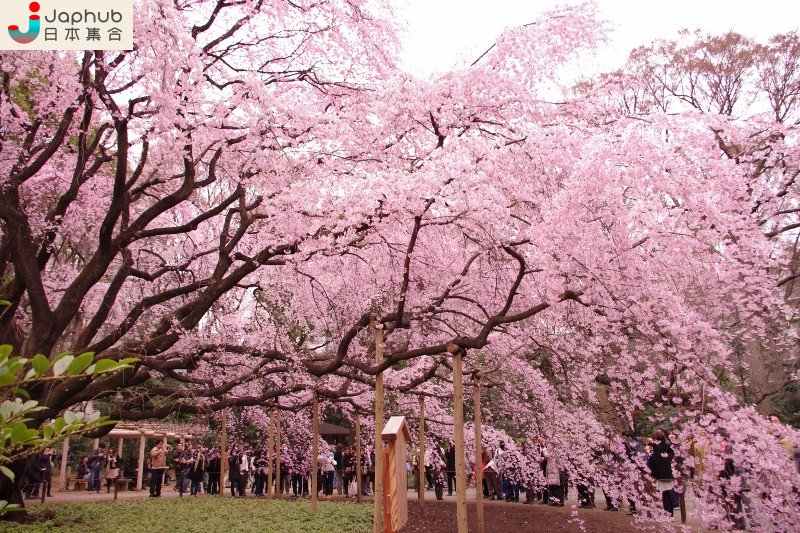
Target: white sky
444,33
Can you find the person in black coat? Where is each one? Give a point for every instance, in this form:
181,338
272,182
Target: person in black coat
259,474
47,472
450,463
235,472
33,471
214,471
660,465
83,468
197,468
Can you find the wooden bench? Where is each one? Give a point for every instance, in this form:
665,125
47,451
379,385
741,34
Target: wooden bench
76,482
121,483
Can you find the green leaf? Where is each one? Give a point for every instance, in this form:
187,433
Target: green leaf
105,365
40,364
21,392
48,431
7,379
59,424
5,350
80,363
21,434
5,303
7,472
62,365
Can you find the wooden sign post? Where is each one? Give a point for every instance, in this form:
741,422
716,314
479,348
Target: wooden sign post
395,479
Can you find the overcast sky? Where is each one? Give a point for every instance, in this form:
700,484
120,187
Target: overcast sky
443,33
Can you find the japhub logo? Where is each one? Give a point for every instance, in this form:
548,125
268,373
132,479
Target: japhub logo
34,25
67,25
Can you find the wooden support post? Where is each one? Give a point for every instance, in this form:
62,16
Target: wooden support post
421,454
682,502
377,517
476,397
358,456
95,444
270,452
314,451
62,475
278,477
223,453
461,469
119,449
140,470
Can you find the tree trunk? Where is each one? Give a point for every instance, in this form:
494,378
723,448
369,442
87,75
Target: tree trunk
11,491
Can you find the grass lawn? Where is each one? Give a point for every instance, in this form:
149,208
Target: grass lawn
204,514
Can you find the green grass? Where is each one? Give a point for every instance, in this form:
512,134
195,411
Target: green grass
202,515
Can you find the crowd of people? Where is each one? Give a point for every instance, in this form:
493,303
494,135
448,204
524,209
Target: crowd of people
542,474
198,471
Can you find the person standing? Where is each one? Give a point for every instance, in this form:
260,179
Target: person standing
492,480
214,472
235,473
429,467
259,475
158,463
368,470
196,472
660,465
554,487
245,464
96,463
181,460
337,468
348,469
111,468
33,471
297,475
327,467
450,463
47,472
633,449
438,469
83,469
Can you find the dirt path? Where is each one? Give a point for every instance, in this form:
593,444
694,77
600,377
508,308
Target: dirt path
501,517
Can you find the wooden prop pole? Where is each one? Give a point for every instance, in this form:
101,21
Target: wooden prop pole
377,520
270,452
62,475
478,457
223,453
278,477
682,502
140,471
358,456
461,469
421,453
314,451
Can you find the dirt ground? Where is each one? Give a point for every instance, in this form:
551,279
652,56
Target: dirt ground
500,517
